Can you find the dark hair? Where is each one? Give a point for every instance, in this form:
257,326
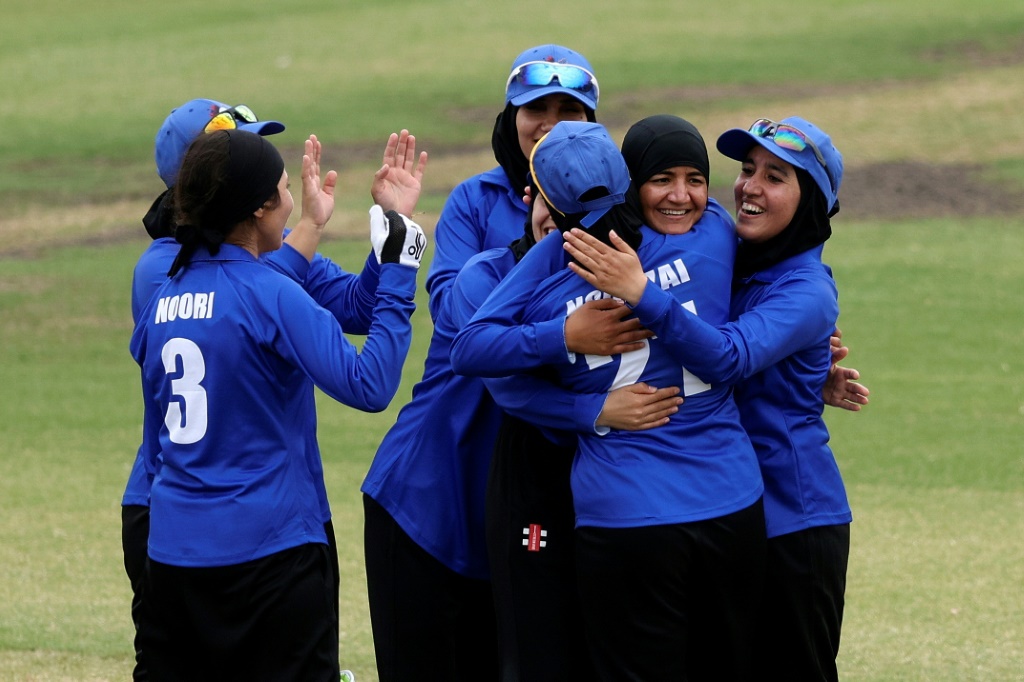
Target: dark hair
224,177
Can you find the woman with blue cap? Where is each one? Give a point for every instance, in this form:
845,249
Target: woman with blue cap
350,297
428,576
547,84
776,351
669,532
240,583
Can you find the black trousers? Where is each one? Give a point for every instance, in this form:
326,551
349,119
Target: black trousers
674,602
430,624
799,627
531,548
135,547
267,619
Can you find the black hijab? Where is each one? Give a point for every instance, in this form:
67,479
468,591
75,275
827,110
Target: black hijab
159,219
505,144
660,142
809,228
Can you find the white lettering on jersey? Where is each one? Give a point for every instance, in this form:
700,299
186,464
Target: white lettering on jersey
669,275
571,306
184,307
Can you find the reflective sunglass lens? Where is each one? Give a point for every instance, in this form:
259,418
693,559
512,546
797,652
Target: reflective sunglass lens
245,113
543,73
222,121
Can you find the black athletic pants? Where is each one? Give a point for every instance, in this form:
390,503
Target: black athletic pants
267,619
798,633
530,544
135,546
674,602
430,624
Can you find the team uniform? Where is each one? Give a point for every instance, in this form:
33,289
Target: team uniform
427,564
349,297
483,212
670,528
777,351
230,342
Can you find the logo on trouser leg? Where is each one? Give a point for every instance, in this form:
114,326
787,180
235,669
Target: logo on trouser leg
533,538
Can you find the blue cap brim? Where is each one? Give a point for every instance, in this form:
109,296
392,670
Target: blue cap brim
536,93
736,144
263,127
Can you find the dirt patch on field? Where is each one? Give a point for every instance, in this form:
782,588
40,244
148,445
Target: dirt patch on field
887,191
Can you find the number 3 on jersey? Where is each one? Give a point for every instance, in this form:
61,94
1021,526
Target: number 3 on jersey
186,418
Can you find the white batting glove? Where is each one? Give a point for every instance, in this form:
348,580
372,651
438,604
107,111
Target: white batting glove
395,238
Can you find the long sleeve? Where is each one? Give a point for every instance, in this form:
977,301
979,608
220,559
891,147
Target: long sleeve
495,343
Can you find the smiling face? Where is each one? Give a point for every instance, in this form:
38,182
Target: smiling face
767,194
674,199
540,219
535,119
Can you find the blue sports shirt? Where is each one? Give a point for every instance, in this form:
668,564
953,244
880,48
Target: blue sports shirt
430,471
701,464
227,349
349,297
483,212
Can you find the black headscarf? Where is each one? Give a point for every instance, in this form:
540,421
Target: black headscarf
660,142
809,228
250,177
159,219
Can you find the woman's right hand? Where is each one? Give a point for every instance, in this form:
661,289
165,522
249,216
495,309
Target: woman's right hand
397,185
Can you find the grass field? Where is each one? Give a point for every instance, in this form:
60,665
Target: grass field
927,264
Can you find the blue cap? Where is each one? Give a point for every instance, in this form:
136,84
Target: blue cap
572,160
185,123
580,83
736,143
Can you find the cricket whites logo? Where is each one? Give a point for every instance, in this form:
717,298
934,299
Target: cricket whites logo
534,537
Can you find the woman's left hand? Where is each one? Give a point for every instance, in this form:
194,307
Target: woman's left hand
615,271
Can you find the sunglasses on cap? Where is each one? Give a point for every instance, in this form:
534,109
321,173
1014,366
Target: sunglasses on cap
229,118
787,137
543,73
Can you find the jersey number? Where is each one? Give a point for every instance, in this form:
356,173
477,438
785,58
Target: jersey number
633,364
186,417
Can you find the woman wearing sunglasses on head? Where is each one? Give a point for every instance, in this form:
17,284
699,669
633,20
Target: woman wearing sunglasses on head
350,297
240,583
428,574
776,351
547,84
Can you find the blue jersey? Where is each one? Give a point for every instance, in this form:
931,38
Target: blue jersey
776,350
430,471
701,464
483,212
349,297
227,350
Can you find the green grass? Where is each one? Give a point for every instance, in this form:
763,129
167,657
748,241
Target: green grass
931,308
933,465
86,84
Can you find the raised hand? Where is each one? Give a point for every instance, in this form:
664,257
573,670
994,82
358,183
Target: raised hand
397,185
599,327
317,201
639,407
